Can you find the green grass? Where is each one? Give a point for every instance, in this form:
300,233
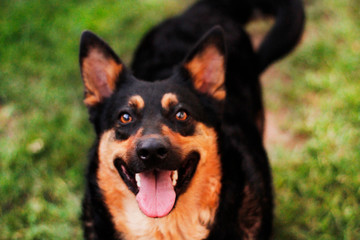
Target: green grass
317,183
45,134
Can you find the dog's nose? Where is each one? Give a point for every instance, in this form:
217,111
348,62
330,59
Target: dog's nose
152,148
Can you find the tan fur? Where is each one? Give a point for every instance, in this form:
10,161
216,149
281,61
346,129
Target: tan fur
168,100
250,214
208,71
194,210
137,102
109,180
99,74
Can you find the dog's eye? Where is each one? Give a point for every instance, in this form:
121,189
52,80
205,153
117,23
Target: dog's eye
181,115
125,118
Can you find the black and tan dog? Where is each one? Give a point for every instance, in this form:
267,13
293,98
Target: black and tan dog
179,152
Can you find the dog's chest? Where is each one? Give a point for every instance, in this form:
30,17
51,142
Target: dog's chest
176,226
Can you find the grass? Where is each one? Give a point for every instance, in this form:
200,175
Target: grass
318,182
44,132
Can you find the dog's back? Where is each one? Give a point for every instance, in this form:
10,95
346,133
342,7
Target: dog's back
166,45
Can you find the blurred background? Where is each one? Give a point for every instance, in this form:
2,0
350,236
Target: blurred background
312,99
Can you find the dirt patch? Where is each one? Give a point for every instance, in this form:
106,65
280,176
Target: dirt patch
276,134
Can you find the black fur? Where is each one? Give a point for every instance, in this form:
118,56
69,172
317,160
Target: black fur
246,196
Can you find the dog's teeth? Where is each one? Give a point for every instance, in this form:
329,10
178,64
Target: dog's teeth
137,178
175,175
174,178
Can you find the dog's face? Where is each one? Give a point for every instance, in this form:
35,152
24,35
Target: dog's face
154,137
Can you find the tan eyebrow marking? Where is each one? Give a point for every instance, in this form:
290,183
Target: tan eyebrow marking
137,102
168,100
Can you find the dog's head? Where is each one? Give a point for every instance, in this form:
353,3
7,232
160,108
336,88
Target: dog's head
155,137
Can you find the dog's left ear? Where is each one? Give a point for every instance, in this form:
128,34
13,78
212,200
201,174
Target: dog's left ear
206,64
100,68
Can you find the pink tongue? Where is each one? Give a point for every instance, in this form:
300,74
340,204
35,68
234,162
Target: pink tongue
156,196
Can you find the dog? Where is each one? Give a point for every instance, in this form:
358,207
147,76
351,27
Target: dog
178,152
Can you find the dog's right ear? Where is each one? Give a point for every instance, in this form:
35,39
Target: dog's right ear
100,68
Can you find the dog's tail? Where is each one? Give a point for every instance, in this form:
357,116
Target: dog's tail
285,33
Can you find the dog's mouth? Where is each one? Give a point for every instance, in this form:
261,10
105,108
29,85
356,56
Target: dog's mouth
157,190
